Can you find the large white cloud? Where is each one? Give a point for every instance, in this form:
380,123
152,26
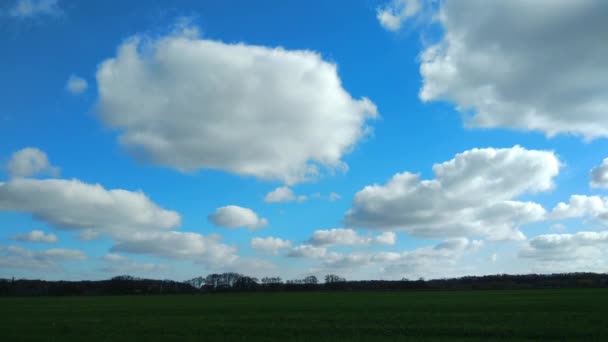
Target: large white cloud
191,103
531,65
345,236
269,245
36,236
233,216
88,208
599,175
30,161
473,194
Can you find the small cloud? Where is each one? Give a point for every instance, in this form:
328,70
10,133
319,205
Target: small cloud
76,85
233,216
342,236
307,251
334,196
283,194
599,175
36,236
269,245
33,8
30,161
396,12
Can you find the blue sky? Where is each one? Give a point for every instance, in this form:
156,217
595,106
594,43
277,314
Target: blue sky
372,139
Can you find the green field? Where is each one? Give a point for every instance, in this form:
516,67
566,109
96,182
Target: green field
532,315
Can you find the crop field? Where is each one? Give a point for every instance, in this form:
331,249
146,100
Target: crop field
529,315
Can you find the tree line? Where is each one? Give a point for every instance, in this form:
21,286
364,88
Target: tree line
235,282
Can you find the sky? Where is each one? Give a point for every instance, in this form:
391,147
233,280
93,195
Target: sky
373,139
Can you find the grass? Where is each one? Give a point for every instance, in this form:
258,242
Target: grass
531,315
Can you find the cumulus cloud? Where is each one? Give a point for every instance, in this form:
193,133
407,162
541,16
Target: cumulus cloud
307,251
471,195
583,251
343,236
179,245
594,207
233,216
270,245
334,196
88,208
119,264
32,8
36,236
14,257
76,85
529,65
438,261
271,113
30,161
392,15
599,175
283,194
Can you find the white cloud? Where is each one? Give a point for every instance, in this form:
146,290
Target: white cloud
36,236
334,196
179,245
307,251
594,207
113,257
599,175
529,65
472,195
583,251
232,216
283,194
90,209
396,12
76,85
557,227
14,257
270,113
342,236
270,245
119,264
439,261
30,161
32,8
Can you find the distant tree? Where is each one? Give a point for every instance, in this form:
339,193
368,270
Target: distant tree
212,280
197,282
272,280
332,278
245,282
310,280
